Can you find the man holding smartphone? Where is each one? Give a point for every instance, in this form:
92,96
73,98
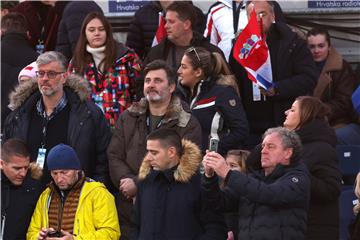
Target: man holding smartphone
272,203
73,206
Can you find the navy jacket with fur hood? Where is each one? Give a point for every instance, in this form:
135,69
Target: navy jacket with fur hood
169,203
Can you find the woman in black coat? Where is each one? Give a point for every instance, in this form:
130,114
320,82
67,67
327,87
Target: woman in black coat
307,116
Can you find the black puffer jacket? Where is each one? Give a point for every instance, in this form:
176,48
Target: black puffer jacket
88,132
70,25
143,27
270,207
319,155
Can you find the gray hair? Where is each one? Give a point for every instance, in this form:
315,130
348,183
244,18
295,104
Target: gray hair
289,139
52,56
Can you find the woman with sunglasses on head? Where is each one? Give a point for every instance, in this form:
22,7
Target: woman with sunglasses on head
109,66
308,118
207,85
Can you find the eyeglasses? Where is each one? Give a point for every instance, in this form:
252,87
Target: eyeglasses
50,74
194,49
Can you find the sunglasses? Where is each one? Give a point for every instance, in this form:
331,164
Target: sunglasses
194,49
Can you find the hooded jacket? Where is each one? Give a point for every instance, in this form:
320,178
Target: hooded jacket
335,86
95,216
168,204
319,155
128,144
88,132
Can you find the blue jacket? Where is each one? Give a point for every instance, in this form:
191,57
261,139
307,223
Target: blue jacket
270,207
220,112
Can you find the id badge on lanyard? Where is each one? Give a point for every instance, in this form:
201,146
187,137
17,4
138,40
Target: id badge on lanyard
40,160
256,92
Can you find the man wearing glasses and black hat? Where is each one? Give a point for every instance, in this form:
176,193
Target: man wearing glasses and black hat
54,109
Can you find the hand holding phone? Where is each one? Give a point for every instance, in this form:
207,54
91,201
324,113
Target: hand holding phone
54,234
213,144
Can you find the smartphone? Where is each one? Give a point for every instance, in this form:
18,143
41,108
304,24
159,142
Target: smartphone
213,144
54,234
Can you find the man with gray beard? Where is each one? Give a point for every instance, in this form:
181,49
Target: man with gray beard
158,109
54,108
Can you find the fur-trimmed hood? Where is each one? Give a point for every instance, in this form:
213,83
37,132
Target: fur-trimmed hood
23,91
188,164
175,111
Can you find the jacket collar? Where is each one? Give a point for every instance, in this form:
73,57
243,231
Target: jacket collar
187,167
334,61
175,111
24,91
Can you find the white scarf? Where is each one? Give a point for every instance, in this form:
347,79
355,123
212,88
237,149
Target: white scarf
98,55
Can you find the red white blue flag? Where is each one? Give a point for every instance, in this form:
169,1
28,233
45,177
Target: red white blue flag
160,32
251,51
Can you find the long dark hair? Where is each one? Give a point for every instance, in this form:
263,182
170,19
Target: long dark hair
81,57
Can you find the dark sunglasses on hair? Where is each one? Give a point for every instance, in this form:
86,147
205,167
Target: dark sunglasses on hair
190,49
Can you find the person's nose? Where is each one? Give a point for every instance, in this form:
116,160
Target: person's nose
23,172
151,84
287,112
263,150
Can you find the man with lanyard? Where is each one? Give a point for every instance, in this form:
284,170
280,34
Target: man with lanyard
158,109
55,109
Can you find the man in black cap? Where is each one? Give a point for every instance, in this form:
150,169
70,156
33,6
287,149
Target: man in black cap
69,197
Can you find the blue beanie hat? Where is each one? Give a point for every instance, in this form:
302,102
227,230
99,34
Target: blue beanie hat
63,157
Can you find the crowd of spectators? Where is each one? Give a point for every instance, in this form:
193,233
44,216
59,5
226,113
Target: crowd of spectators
109,140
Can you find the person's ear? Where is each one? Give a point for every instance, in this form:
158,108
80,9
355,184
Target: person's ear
171,152
172,87
1,163
28,35
288,154
198,72
187,25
